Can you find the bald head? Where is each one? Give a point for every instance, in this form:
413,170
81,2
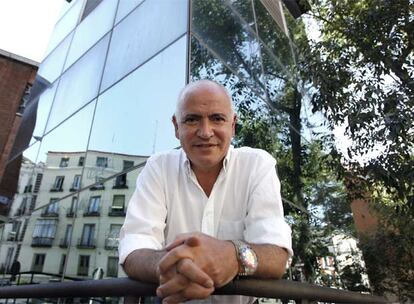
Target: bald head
200,85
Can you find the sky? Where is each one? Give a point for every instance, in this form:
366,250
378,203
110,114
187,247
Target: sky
26,26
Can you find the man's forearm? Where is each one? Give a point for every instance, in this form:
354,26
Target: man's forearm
272,261
142,265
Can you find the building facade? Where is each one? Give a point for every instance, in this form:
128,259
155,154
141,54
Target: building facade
17,75
115,69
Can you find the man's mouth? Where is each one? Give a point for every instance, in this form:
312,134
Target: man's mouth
204,145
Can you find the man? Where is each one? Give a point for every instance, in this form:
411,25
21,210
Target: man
206,213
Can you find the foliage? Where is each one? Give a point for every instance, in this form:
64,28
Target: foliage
363,73
257,62
392,272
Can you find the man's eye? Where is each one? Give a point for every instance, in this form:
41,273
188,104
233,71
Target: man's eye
218,118
190,120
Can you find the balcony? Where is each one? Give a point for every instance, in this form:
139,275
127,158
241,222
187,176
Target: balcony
42,242
111,243
92,212
50,213
56,189
11,236
64,243
86,244
120,182
116,211
132,290
98,186
70,213
74,188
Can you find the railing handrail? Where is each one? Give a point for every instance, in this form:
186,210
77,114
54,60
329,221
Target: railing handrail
125,287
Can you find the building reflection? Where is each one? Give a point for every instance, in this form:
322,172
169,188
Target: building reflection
69,210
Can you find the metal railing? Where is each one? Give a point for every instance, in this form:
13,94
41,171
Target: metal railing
124,287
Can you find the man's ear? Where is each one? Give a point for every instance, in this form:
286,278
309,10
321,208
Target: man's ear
233,125
174,121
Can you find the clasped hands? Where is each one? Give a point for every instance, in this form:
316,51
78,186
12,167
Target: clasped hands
193,266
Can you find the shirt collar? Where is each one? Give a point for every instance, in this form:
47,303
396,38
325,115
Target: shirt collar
187,165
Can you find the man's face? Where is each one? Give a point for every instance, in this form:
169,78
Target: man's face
205,126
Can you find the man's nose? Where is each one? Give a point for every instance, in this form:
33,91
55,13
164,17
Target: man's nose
205,129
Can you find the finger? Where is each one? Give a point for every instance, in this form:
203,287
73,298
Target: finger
175,285
195,291
193,241
179,240
175,298
173,256
191,271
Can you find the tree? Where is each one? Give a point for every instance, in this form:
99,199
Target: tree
363,75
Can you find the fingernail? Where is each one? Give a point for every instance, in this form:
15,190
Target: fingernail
210,283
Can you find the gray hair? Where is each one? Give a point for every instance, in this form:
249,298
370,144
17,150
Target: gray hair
192,85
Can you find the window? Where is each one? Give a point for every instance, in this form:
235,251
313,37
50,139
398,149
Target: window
83,266
27,188
64,162
68,235
102,162
118,202
52,209
113,236
76,183
44,232
89,7
38,261
128,164
73,207
94,204
33,202
112,267
88,234
9,257
22,209
57,186
38,181
62,263
120,181
81,161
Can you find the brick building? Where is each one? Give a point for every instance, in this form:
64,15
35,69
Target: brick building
17,75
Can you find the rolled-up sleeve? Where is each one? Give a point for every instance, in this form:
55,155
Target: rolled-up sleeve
146,213
265,223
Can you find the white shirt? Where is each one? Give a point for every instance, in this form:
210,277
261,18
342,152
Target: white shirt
245,202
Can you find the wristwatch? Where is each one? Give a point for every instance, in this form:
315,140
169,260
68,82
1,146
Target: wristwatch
246,257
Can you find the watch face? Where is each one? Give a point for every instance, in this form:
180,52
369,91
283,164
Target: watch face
249,259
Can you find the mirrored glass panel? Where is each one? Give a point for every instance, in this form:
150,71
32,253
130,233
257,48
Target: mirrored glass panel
143,33
79,84
51,67
231,40
43,108
125,7
65,25
92,28
66,6
142,125
70,137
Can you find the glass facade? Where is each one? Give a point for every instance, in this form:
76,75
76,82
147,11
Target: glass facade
115,77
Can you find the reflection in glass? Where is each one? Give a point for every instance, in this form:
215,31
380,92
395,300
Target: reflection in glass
92,28
65,25
143,33
43,109
125,7
79,84
142,125
52,66
231,40
70,138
